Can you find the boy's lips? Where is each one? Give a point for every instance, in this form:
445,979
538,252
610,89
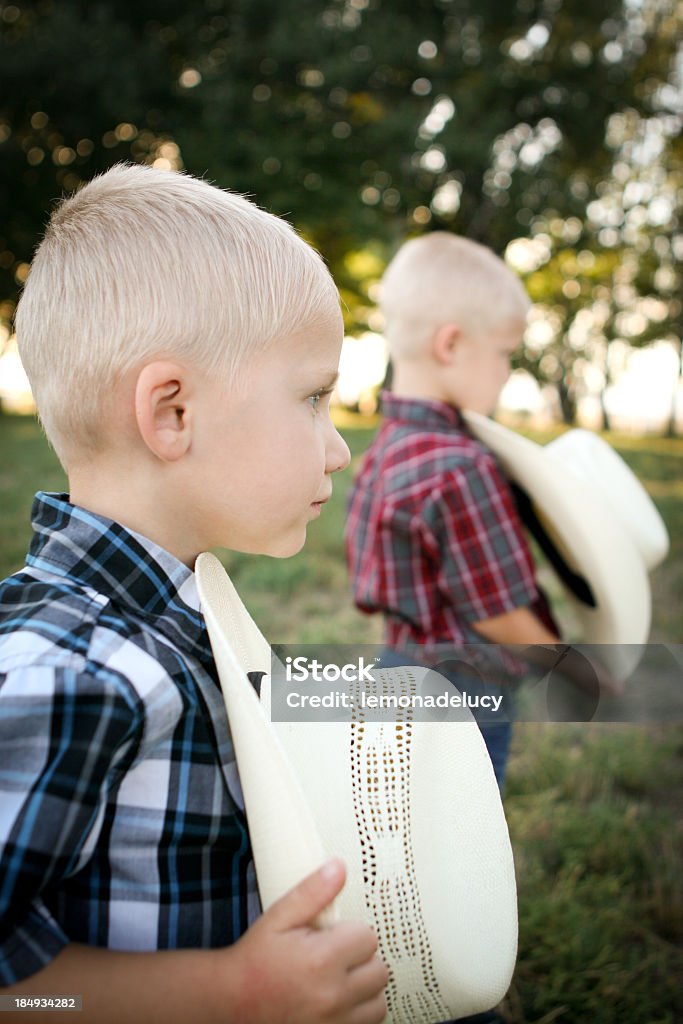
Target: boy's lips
317,505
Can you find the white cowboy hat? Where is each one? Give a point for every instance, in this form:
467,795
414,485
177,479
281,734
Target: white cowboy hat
412,808
598,526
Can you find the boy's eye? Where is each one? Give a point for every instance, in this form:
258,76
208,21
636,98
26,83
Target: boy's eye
316,398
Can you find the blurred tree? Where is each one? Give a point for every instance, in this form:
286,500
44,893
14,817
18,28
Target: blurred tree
82,85
367,120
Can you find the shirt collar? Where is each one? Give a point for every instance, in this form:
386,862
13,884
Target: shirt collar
428,412
133,572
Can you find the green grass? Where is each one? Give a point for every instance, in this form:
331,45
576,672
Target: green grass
27,464
594,815
594,810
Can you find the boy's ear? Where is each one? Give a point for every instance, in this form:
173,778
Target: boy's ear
445,343
163,410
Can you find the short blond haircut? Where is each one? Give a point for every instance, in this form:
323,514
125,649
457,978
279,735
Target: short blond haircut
141,263
441,278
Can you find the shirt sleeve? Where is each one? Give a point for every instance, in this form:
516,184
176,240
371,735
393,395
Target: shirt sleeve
66,737
485,565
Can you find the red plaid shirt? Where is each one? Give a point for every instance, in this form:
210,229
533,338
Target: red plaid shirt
433,537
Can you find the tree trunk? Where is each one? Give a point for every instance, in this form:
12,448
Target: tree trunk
606,422
567,403
671,430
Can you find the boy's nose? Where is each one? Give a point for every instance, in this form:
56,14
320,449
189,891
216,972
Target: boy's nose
338,454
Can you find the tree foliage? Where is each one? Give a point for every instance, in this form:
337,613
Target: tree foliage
366,120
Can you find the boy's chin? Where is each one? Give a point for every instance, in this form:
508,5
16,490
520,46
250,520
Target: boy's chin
283,547
287,547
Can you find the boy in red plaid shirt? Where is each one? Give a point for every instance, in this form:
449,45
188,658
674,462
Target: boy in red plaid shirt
434,540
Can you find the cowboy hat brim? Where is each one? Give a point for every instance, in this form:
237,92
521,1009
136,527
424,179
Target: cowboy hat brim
413,809
589,536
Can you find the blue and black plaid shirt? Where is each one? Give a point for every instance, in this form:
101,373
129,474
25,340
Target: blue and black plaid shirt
121,814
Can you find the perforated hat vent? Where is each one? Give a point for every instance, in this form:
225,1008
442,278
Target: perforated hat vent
380,757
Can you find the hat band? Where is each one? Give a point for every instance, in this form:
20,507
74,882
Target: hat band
576,584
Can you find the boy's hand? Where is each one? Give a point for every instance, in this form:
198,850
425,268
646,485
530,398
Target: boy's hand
284,970
296,973
526,635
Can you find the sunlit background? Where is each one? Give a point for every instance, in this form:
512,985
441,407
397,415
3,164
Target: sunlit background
646,396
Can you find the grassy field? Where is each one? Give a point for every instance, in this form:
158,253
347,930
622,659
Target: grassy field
594,810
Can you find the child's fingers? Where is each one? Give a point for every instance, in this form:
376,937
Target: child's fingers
302,904
610,686
373,1011
367,981
354,942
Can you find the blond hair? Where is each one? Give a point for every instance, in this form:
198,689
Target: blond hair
143,262
441,278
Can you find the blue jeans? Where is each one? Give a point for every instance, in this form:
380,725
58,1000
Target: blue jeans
497,736
496,733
